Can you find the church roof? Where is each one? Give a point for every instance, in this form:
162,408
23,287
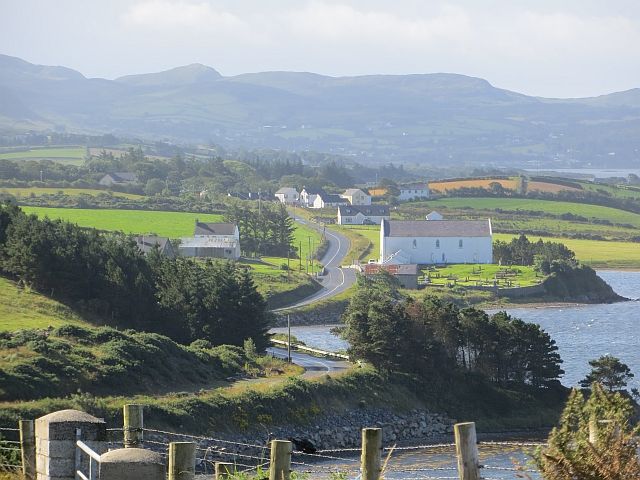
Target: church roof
437,228
215,228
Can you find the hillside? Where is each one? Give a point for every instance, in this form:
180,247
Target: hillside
423,117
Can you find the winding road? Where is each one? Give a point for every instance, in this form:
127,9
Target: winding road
336,279
314,366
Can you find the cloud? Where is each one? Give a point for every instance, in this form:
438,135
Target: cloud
164,14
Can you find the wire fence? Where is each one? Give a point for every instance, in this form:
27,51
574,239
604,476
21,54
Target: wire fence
10,453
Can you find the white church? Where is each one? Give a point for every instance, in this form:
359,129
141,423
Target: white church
436,241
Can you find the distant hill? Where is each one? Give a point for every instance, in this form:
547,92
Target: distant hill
422,118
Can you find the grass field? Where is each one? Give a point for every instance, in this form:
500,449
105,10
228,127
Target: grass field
168,224
37,191
510,184
598,254
471,275
20,308
73,155
548,206
368,246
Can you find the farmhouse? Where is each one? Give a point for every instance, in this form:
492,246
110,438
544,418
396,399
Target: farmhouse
413,191
213,240
147,243
324,200
362,214
288,195
436,242
118,178
355,196
308,196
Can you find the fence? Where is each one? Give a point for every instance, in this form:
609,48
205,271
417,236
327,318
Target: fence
181,456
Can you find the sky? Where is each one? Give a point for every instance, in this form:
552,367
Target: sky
552,48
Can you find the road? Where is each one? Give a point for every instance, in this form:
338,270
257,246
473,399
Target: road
336,279
314,366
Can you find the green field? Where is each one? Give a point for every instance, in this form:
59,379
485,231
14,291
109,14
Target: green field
598,254
483,275
548,206
73,155
168,224
21,308
37,191
369,232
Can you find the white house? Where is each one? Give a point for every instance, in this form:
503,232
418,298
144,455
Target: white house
118,178
309,195
214,240
362,214
355,196
436,241
434,216
411,191
288,195
324,200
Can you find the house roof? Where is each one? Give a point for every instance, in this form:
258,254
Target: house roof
146,243
215,228
434,216
351,191
332,198
314,191
366,210
286,190
123,176
414,186
403,269
437,228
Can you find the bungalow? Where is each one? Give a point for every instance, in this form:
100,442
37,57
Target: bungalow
362,214
407,275
412,191
325,200
148,243
213,240
288,195
355,196
118,178
436,242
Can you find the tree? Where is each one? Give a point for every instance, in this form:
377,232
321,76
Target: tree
608,371
154,186
570,455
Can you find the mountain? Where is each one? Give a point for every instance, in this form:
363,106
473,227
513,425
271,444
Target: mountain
381,118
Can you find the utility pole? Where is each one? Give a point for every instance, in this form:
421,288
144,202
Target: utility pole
309,256
300,256
289,338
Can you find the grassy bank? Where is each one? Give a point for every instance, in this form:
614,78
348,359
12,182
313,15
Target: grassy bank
39,191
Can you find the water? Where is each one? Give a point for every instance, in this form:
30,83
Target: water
582,332
595,172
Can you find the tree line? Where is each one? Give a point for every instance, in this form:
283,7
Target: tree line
265,228
106,277
543,255
435,339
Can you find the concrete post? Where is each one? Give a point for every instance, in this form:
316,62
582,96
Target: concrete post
467,451
133,425
131,464
56,442
371,449
280,464
224,470
182,461
28,448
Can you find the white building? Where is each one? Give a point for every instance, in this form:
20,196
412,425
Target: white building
355,196
436,241
288,195
213,240
434,216
309,195
412,191
362,214
325,200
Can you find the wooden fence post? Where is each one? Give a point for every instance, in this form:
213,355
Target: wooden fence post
133,425
371,448
182,461
28,448
467,451
224,470
280,461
